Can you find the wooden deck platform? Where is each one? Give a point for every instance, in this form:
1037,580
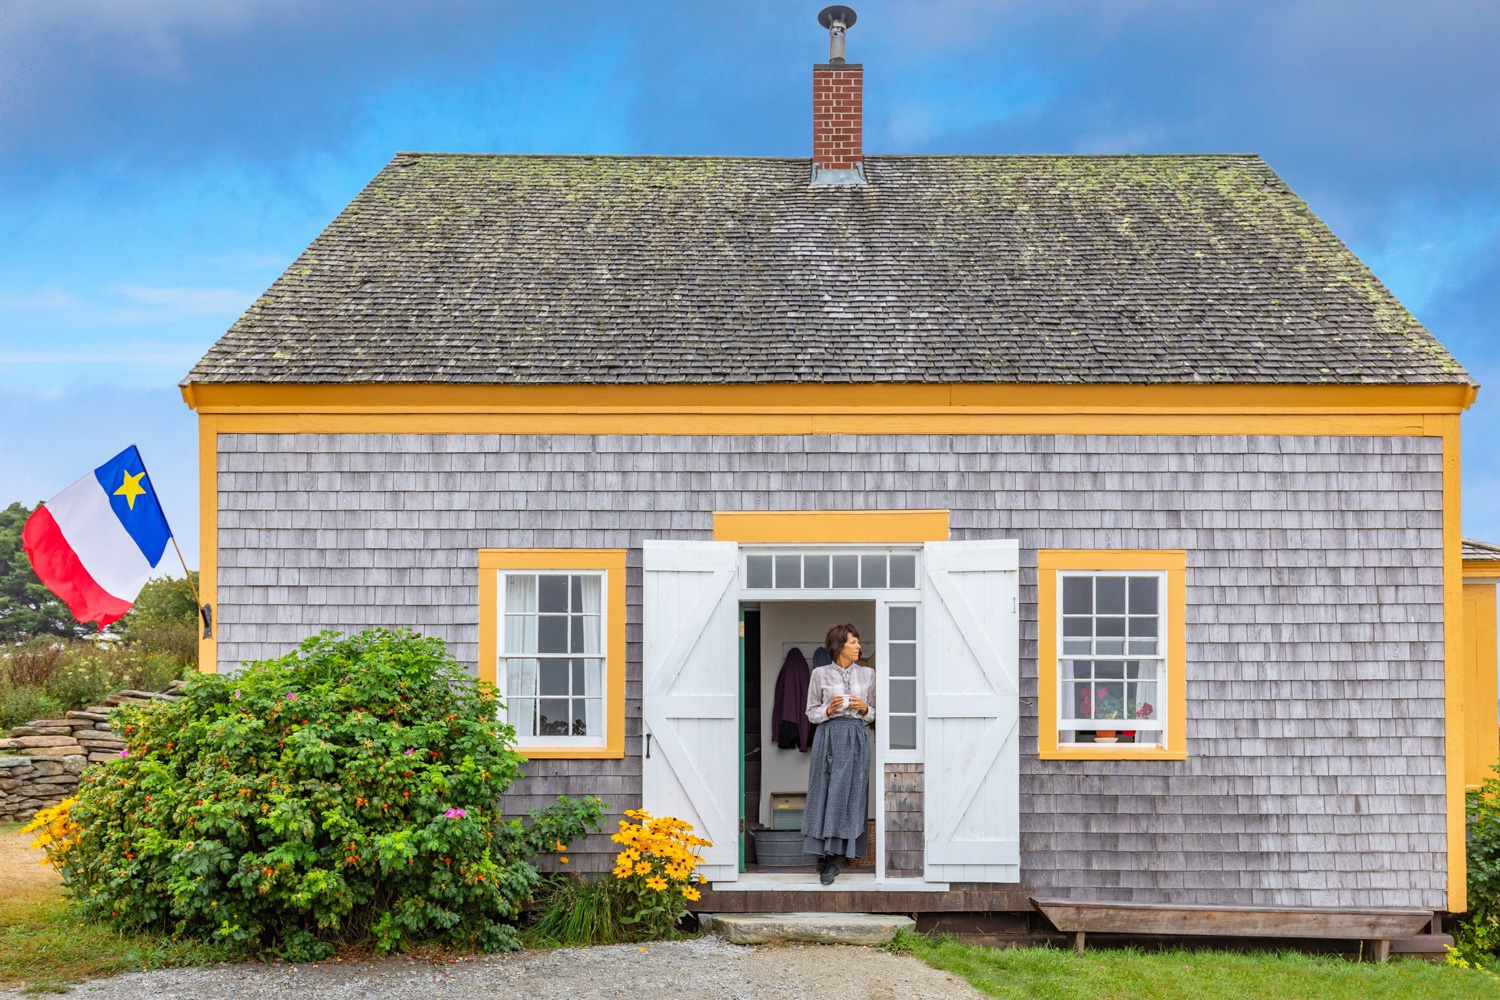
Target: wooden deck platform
1376,927
853,894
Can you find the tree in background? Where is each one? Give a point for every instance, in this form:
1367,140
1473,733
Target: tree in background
26,607
164,618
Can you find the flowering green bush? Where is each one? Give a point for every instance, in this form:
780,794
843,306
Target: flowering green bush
346,793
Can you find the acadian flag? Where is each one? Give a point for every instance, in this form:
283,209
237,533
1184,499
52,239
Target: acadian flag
96,543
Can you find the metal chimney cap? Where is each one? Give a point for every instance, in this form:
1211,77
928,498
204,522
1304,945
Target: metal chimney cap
838,12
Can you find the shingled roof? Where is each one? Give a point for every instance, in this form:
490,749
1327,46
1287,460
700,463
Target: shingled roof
994,269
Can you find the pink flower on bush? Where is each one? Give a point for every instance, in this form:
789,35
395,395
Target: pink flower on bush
455,813
125,752
236,694
410,751
291,696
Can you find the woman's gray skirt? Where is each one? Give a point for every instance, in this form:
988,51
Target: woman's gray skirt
838,790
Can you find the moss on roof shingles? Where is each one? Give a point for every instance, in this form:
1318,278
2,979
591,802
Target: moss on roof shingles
1031,269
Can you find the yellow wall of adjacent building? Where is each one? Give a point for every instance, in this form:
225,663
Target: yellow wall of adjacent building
1482,703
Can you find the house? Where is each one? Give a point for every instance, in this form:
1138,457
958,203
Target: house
1480,662
1140,486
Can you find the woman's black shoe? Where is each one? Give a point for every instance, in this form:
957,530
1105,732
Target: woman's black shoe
831,870
822,863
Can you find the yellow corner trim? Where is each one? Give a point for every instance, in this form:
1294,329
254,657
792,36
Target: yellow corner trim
831,526
208,538
612,562
1481,569
1171,561
1454,693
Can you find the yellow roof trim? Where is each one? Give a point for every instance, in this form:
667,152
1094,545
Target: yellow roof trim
828,527
212,397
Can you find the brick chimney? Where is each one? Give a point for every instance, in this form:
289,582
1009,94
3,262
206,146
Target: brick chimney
838,107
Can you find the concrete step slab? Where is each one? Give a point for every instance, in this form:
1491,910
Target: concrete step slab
817,928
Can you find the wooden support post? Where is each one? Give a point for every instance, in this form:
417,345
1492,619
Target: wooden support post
1078,943
1377,949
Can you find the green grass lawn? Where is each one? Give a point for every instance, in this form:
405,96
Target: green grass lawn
43,946
1057,974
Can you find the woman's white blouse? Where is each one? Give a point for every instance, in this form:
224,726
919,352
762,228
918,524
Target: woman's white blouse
832,679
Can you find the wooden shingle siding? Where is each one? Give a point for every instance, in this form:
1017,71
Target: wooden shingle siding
1315,673
904,850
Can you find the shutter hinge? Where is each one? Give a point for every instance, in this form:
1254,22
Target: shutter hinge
742,629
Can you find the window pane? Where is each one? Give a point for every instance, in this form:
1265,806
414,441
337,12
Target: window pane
872,571
1078,626
815,570
520,677
520,593
1143,647
554,717
1109,626
575,669
580,722
903,623
1109,647
1143,701
1075,647
520,634
1143,594
788,571
1075,668
903,732
552,594
521,713
1109,595
903,659
593,678
758,572
1078,595
576,597
593,709
846,572
903,696
1143,627
1145,671
1076,694
552,633
1109,669
904,571
554,676
1109,700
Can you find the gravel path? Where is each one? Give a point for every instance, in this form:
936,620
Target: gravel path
701,969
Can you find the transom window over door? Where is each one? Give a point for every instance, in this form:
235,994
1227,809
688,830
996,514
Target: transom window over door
552,641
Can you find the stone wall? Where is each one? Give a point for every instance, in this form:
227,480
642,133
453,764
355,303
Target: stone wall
40,762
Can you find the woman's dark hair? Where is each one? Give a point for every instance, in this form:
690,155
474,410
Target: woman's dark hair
837,636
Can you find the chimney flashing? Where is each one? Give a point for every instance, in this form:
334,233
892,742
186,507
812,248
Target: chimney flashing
825,177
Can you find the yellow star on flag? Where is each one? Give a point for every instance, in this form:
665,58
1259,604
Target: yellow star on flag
131,488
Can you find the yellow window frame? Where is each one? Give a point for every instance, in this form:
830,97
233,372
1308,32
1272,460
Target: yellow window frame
1172,562
611,562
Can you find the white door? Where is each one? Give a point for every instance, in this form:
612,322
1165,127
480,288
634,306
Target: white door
690,693
971,661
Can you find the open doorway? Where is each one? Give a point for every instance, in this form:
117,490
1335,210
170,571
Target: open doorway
782,636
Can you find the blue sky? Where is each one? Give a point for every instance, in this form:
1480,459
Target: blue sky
161,161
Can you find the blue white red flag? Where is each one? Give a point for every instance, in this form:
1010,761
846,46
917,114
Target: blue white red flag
97,542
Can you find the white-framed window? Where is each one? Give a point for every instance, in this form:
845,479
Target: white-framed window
901,712
1112,665
552,656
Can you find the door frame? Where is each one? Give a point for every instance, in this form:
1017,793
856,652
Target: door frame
882,598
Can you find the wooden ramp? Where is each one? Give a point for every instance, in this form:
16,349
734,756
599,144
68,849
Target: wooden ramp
1375,926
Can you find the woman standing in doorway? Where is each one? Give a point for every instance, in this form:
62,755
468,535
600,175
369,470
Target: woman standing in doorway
841,700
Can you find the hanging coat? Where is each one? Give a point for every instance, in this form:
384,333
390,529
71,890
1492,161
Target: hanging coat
789,709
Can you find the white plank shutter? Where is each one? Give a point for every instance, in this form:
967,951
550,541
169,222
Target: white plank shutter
690,693
971,662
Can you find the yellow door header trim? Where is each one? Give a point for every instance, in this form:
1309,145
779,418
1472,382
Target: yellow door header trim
831,526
